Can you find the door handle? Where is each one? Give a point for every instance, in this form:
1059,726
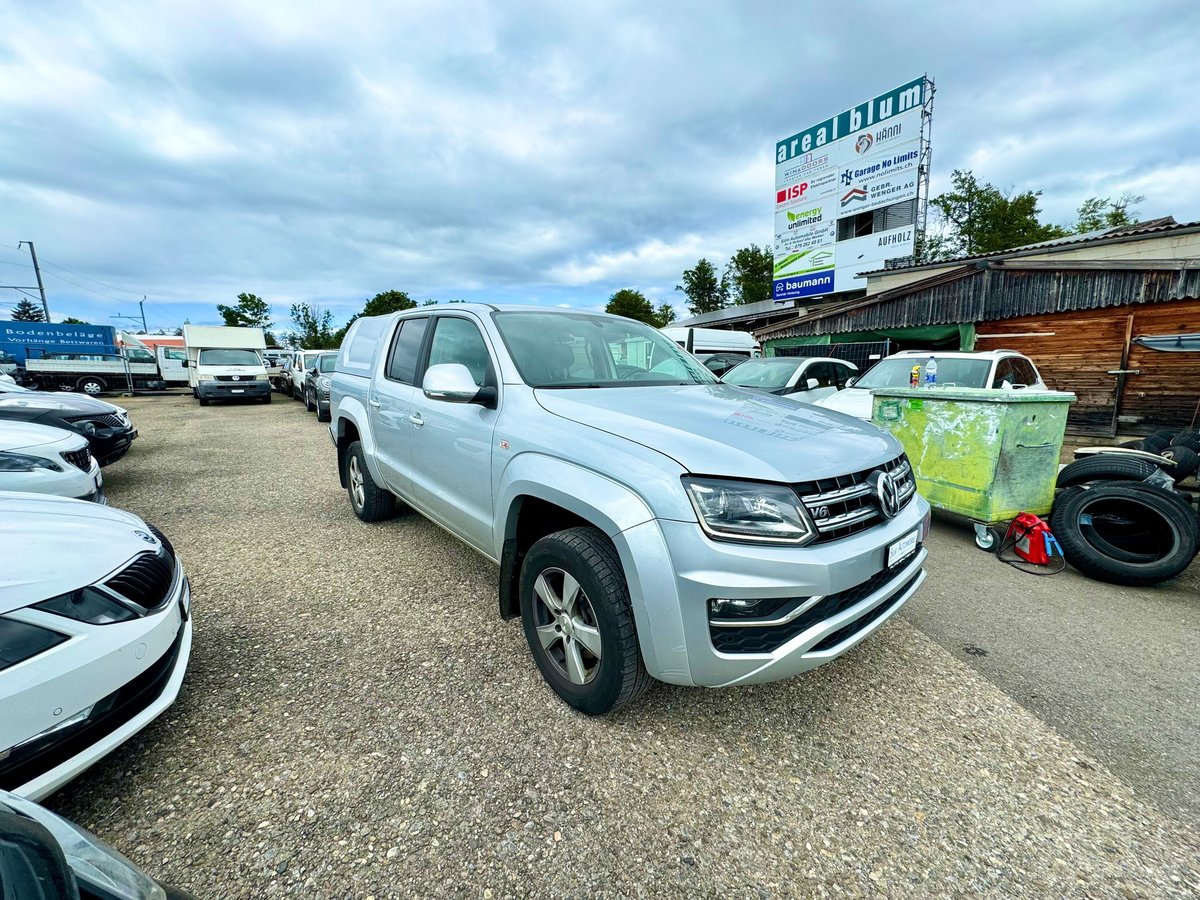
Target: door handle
374,403
416,419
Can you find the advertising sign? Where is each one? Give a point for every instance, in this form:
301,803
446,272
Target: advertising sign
18,337
862,160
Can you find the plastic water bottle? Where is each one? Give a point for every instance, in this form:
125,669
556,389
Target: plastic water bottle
931,373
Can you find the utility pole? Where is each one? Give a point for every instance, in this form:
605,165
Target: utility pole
38,272
142,310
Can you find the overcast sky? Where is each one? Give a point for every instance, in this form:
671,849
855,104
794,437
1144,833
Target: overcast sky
522,152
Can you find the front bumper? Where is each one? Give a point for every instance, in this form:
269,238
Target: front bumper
681,570
233,390
128,673
110,444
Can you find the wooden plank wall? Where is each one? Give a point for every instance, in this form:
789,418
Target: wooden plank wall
1075,351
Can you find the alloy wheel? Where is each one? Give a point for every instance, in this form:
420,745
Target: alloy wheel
566,625
357,491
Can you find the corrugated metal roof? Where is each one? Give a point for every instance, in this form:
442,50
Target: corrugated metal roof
985,291
759,310
1133,232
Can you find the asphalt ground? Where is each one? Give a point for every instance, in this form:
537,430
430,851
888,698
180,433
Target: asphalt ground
357,721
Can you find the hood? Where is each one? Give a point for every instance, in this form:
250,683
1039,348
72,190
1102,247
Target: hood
85,541
851,401
723,430
17,435
48,400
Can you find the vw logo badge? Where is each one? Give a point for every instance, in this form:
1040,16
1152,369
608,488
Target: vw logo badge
149,539
887,495
237,377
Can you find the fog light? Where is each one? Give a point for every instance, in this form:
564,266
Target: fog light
722,608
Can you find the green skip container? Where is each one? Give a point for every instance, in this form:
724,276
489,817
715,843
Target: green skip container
985,454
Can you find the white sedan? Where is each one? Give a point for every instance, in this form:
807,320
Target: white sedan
39,459
95,635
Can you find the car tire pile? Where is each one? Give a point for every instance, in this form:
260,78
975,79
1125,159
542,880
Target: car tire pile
1131,519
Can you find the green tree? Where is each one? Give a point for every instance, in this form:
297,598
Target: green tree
1096,213
664,315
748,276
703,289
313,328
430,303
71,320
979,218
251,311
28,311
387,302
632,305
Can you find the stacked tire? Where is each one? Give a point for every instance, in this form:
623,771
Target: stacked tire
1124,519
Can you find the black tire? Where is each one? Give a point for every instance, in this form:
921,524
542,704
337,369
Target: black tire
1189,439
203,401
1125,534
1156,443
324,416
1105,467
376,503
618,676
267,399
91,385
1187,461
308,404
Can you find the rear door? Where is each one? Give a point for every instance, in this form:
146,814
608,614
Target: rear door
391,404
452,442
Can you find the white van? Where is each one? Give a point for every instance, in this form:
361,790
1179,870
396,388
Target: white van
225,363
713,340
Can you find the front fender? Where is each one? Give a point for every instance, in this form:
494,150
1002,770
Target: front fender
631,525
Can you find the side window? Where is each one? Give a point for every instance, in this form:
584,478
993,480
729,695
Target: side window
1026,374
405,349
823,372
459,341
842,374
1004,372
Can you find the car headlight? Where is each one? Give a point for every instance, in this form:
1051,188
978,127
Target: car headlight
325,383
87,605
106,871
20,462
262,377
750,512
200,377
19,641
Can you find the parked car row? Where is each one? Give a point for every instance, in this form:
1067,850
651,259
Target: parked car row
306,377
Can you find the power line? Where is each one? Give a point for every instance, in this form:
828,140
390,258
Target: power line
86,278
86,288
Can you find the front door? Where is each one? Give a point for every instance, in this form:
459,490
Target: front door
452,442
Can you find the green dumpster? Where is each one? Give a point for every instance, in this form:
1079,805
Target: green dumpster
984,454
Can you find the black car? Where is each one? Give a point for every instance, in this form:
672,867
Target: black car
107,427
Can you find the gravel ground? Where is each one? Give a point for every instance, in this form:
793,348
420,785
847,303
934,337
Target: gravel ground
358,722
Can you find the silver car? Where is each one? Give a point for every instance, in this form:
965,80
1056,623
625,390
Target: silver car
648,521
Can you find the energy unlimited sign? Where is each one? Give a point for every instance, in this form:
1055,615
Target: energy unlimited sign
861,160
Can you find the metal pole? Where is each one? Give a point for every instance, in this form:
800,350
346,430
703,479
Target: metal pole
38,272
142,309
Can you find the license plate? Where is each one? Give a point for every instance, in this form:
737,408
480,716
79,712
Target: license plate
238,391
99,480
902,548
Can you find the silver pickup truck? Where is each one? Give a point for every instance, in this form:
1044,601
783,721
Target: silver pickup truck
647,521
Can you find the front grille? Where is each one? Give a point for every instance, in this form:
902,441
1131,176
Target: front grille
162,539
80,459
234,377
103,420
845,504
146,581
748,639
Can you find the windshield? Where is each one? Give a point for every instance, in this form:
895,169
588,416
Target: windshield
763,374
229,358
325,363
957,372
569,350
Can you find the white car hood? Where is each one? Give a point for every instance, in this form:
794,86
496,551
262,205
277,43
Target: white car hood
64,545
17,435
852,401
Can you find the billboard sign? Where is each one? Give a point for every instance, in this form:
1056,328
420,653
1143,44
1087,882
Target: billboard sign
18,338
862,160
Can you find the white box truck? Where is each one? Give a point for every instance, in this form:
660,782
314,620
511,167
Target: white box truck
225,363
713,340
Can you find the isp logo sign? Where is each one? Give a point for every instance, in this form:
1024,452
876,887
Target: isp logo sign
790,195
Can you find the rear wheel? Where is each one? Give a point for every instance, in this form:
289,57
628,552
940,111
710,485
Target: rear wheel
370,502
578,621
90,384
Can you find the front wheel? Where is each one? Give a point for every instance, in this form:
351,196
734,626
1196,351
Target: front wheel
370,502
578,621
308,403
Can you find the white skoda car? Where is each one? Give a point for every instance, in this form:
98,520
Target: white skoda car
40,459
95,635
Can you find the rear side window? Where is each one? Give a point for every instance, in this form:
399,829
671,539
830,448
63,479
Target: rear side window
358,350
1025,372
406,350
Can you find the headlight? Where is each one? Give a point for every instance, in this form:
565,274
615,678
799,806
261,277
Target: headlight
200,377
87,605
91,860
748,511
19,641
262,377
325,383
19,462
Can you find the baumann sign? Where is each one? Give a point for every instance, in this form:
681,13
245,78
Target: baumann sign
862,160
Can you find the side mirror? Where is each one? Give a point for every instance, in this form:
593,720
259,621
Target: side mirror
454,383
851,381
185,362
812,383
